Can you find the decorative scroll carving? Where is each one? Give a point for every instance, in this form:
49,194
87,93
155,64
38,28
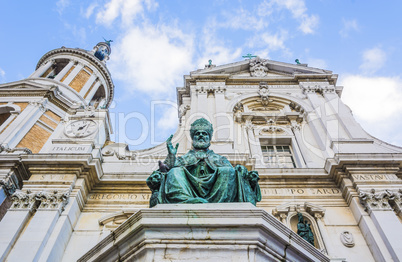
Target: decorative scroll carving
294,125
395,199
18,150
43,200
272,130
23,200
373,201
347,239
89,111
183,110
320,88
120,150
296,107
40,104
264,94
52,200
249,125
237,110
258,67
9,183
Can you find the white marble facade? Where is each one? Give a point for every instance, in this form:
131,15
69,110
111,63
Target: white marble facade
77,195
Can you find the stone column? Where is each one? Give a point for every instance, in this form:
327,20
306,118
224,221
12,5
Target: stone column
42,69
223,126
64,70
324,234
24,122
395,199
15,220
91,93
73,73
299,140
388,225
202,105
255,150
88,84
31,243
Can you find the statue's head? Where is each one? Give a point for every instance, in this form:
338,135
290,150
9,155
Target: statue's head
201,132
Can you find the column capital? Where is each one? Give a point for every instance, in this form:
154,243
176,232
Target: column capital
52,200
375,201
23,201
395,199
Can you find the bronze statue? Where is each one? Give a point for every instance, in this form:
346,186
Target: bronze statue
304,229
201,176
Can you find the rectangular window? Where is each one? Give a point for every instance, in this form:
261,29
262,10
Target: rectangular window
278,156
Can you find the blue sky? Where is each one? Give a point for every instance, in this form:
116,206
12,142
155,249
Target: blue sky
156,42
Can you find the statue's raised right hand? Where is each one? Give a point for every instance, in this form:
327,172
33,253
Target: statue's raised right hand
171,150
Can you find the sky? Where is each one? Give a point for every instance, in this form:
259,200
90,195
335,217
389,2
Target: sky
155,43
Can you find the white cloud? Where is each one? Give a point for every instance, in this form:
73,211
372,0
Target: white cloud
61,5
373,98
298,9
152,59
348,26
268,42
89,11
2,74
243,19
169,119
127,10
215,48
308,23
317,63
373,60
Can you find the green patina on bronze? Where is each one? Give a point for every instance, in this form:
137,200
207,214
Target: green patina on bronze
304,229
201,176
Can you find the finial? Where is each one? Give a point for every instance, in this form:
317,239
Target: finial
107,41
297,61
249,56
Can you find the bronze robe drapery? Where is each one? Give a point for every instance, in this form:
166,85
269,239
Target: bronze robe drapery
205,177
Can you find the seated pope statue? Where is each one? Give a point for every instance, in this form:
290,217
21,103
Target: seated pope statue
201,176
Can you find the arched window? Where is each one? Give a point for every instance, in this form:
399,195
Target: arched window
7,115
98,96
55,69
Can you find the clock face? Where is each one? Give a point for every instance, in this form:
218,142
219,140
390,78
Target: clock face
80,128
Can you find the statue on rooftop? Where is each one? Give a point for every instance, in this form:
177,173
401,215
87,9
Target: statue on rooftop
201,176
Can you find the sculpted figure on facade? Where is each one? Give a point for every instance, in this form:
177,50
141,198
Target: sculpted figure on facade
201,176
304,229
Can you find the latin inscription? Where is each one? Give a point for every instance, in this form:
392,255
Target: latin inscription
70,149
52,177
301,191
265,192
121,197
369,177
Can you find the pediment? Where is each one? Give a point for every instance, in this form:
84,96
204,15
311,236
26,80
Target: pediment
260,68
23,86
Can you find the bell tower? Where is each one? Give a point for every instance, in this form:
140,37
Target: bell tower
62,107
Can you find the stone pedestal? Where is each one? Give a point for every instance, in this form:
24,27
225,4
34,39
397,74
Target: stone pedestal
203,232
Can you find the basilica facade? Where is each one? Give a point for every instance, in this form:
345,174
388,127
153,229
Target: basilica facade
68,193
